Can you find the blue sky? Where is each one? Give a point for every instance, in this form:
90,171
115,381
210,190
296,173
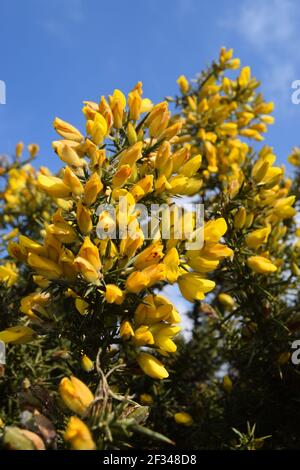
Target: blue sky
54,54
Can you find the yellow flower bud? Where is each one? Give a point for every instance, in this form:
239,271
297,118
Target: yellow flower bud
19,149
54,186
92,189
131,134
73,182
183,418
79,435
226,300
98,129
183,84
152,366
150,255
66,130
227,384
126,330
192,166
117,104
214,230
146,399
171,261
240,218
81,305
261,265
86,363
75,394
68,154
84,220
193,287
134,104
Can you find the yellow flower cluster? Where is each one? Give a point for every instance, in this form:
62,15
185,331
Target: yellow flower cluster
126,155
219,112
219,115
22,194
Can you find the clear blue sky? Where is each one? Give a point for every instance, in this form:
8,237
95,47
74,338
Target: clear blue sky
54,54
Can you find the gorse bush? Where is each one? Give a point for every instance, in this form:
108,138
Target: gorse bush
94,354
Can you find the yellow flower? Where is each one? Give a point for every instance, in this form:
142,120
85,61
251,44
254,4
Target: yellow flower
283,209
34,304
84,220
31,245
183,418
90,253
44,266
261,265
92,189
121,176
86,363
152,366
158,119
193,286
17,335
137,281
9,274
79,435
68,154
155,273
203,264
98,129
81,305
143,336
155,308
294,158
192,166
117,103
54,186
113,294
88,271
214,230
144,186
126,330
73,182
67,131
131,134
258,237
171,261
75,394
163,335
227,384
240,218
150,255
134,104
131,155
19,149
